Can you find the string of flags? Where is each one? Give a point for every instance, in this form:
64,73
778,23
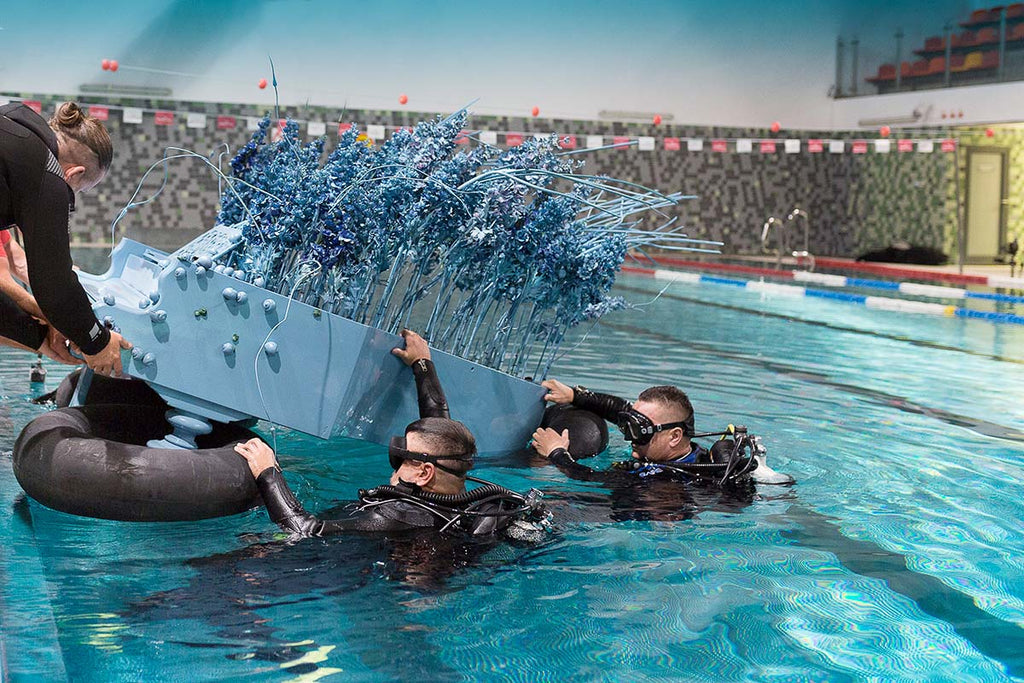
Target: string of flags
380,132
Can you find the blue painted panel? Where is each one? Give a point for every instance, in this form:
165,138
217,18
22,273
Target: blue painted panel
202,338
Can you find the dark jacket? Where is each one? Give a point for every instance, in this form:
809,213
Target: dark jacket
35,197
481,511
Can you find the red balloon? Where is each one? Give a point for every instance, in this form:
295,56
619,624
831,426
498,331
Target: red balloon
657,119
403,99
990,132
776,126
535,111
884,131
113,65
262,83
105,64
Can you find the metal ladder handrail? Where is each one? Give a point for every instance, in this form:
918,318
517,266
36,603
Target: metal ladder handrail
805,252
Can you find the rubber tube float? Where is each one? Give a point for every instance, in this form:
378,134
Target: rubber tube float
92,461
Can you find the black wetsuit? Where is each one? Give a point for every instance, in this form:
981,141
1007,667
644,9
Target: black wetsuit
482,511
627,472
35,197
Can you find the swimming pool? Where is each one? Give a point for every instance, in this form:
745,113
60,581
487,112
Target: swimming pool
897,555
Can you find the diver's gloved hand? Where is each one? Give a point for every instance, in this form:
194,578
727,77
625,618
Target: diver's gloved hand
415,348
558,392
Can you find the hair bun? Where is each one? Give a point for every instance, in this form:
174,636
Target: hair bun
69,115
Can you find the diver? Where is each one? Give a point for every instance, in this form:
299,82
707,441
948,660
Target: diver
659,426
42,166
427,489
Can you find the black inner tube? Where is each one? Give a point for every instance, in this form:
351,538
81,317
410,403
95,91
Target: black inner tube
93,461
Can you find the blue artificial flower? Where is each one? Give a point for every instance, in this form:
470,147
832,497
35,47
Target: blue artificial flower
501,252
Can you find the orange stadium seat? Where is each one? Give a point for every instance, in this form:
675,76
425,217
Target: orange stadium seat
920,68
936,65
1017,33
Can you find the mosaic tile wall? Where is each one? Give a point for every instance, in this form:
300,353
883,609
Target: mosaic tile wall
855,202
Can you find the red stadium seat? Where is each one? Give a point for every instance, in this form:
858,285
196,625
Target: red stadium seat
934,44
956,62
920,68
978,16
1015,11
990,59
965,39
986,36
886,72
936,65
1017,33
905,69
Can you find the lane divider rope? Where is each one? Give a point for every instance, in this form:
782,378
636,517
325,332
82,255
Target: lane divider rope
875,302
895,272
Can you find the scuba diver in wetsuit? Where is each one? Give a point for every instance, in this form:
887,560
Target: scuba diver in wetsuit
42,166
659,426
428,487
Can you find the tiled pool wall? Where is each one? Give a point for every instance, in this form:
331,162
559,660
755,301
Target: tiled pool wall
856,202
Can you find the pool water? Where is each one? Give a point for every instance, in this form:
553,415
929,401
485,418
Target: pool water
896,555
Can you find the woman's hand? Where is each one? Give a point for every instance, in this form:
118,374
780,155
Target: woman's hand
259,455
56,347
108,361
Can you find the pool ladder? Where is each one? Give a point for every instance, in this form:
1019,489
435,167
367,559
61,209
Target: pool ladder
805,253
778,225
773,222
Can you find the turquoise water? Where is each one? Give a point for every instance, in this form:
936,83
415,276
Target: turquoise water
896,556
